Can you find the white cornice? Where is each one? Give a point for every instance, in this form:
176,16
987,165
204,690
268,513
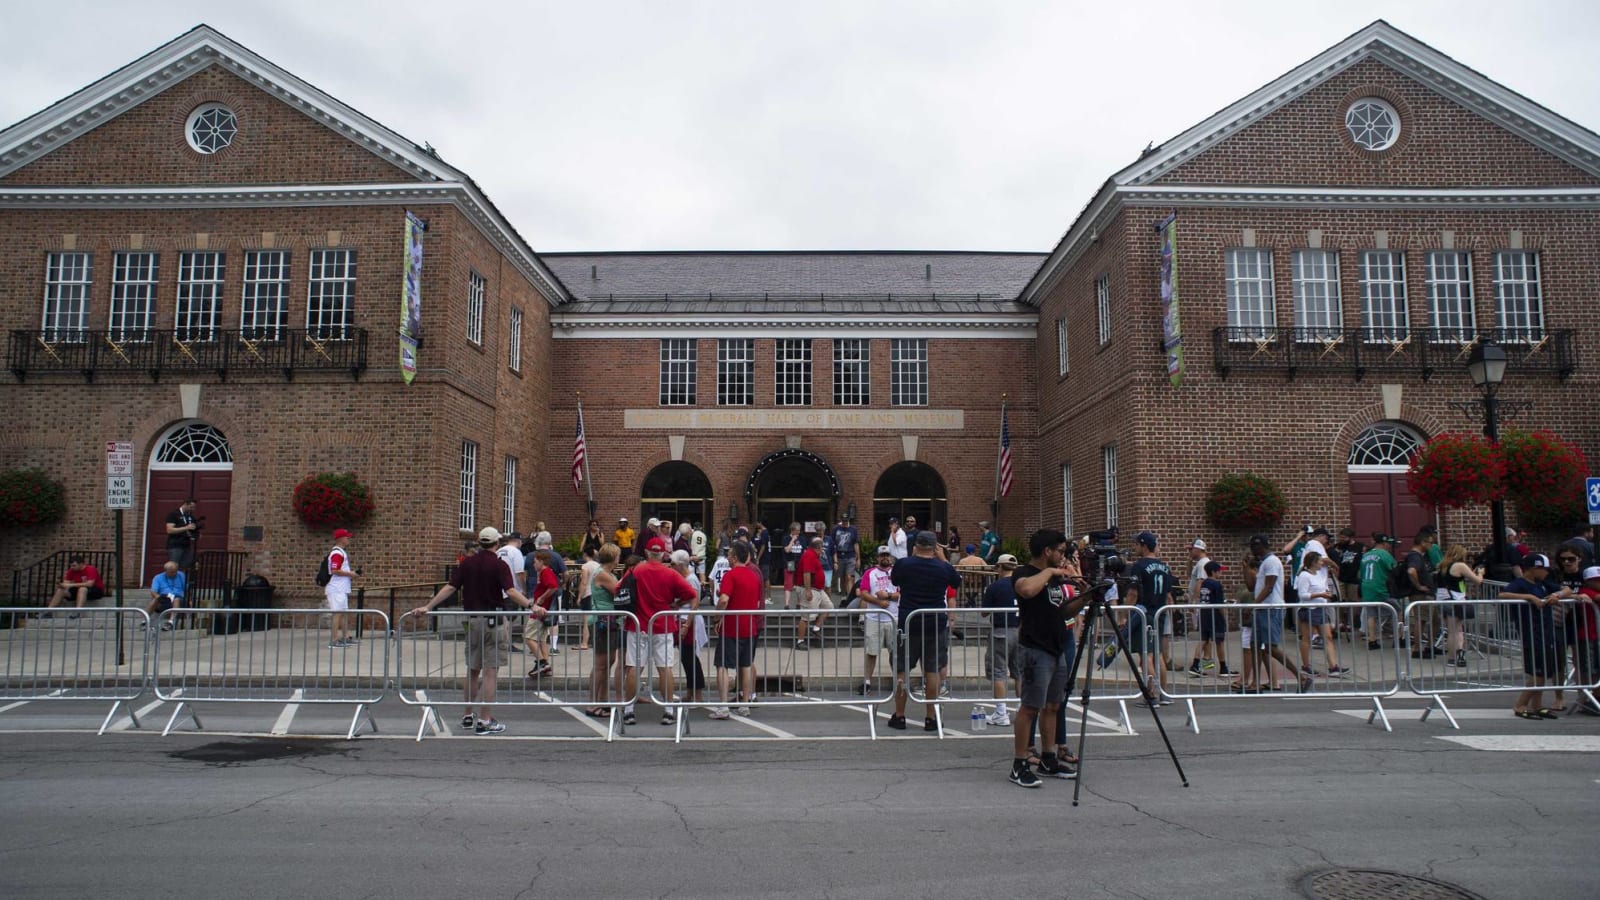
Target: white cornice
579,326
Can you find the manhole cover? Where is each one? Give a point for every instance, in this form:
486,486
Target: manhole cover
235,752
1377,884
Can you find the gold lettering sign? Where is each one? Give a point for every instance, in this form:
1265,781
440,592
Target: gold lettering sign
797,419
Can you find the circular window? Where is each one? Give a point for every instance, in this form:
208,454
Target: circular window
1372,123
211,128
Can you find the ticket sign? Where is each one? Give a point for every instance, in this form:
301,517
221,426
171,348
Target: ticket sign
119,474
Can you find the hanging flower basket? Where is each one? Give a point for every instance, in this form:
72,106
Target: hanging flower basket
1244,501
1544,475
1456,470
28,498
329,499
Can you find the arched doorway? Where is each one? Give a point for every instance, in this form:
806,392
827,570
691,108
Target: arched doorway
909,488
676,491
792,485
1379,497
192,459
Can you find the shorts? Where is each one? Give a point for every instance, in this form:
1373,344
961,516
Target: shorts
815,599
1002,657
607,635
182,554
928,648
650,650
1044,677
488,642
1267,627
880,635
1140,622
1246,633
338,602
165,602
1213,624
1313,614
735,653
534,630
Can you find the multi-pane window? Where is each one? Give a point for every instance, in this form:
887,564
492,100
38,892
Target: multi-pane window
679,358
331,298
1061,346
852,382
1102,306
1316,294
66,296
1066,499
1252,308
199,295
1518,307
514,341
736,372
508,500
908,372
467,509
1108,456
133,296
1450,312
1383,295
264,311
475,290
791,373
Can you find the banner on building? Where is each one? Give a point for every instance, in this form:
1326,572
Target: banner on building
1171,328
411,299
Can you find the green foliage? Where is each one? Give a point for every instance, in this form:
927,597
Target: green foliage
330,499
29,498
568,547
1244,501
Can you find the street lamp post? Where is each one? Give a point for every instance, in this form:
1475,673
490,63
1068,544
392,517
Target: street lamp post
1487,367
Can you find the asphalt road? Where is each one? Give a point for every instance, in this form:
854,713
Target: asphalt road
1273,797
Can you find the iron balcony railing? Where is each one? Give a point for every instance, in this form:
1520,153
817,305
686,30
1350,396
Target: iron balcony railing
158,353
1400,351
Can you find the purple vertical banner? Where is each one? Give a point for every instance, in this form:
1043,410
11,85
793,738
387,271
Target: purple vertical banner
411,299
1171,327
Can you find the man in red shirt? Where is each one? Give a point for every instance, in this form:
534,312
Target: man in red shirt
657,588
537,634
81,581
810,575
741,589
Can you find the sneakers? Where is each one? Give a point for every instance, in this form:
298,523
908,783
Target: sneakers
1458,661
742,711
1194,670
1316,641
929,724
1022,776
862,689
998,719
1053,767
802,644
492,726
1209,664
721,712
1306,672
467,721
898,723
667,719
1374,645
1338,671
628,718
1107,655
337,645
542,668
944,690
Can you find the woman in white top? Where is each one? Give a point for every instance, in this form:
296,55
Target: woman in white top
1314,585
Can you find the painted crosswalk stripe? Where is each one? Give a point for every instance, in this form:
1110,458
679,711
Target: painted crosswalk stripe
10,706
124,723
286,718
1527,743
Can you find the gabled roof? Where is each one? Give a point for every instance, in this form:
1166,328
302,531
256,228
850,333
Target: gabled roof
203,47
1461,84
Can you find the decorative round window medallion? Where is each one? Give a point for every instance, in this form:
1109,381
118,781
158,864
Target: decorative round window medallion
1373,124
211,128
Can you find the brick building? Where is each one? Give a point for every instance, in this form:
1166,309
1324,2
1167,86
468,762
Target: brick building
221,251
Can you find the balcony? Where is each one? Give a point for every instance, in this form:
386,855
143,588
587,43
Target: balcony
1388,351
163,353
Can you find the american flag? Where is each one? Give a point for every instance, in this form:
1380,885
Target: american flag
1005,455
578,453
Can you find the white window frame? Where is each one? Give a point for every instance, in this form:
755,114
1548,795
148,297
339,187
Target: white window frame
1066,499
134,276
908,371
1102,306
477,288
508,498
1384,315
791,371
1252,302
200,277
1361,121
736,372
852,372
680,362
467,508
1518,297
1108,460
1452,313
67,278
514,341
331,294
1061,347
1318,313
264,297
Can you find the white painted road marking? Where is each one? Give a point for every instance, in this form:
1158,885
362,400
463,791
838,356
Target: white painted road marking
10,706
1528,743
286,718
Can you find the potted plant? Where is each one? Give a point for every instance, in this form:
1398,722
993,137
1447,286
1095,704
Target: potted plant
29,498
1241,501
1455,470
1544,475
330,499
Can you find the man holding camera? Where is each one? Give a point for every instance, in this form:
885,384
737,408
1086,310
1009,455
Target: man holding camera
1046,603
166,591
183,533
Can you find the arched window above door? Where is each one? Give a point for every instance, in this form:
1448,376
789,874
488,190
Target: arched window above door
1385,446
195,443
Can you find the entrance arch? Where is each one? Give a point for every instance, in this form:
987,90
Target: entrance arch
676,491
191,459
792,485
1379,497
909,488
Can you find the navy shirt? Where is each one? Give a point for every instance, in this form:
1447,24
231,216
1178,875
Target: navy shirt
1154,579
1002,592
1212,592
922,581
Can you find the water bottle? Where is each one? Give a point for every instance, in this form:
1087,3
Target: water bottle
979,722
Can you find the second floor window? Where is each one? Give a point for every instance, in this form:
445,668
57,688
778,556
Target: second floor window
331,298
264,312
908,372
1316,294
678,362
467,508
1518,307
476,288
508,499
66,296
1108,460
1252,309
514,341
736,372
852,382
1061,346
792,372
133,296
199,295
1102,306
1383,295
1450,313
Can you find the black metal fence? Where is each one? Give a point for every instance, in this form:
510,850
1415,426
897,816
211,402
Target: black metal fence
1416,351
156,353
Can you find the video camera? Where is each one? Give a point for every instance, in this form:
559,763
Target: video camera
1101,559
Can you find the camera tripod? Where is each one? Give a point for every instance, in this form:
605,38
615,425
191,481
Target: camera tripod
1098,605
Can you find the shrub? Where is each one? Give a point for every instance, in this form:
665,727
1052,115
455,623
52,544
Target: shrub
328,499
29,498
1456,470
1244,501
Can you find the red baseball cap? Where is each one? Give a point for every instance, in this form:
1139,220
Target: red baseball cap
657,544
340,534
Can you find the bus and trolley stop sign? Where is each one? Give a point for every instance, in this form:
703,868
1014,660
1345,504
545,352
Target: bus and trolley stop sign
119,475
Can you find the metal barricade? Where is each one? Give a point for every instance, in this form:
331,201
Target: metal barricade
974,582
284,656
433,663
1310,660
93,653
789,665
1110,677
1478,645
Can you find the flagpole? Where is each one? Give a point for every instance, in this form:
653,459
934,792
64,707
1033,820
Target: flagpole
994,505
588,480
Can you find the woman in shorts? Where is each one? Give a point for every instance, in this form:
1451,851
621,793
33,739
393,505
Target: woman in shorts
606,629
1314,584
1452,578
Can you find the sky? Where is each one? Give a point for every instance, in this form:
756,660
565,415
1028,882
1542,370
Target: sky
821,124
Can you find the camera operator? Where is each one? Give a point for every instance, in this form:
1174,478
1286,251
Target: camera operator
1045,604
183,533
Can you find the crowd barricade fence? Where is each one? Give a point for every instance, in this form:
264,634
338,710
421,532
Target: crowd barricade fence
284,656
974,582
1479,645
95,653
431,664
792,665
1109,673
1311,660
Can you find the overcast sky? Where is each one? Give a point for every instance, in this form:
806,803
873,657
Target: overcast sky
794,125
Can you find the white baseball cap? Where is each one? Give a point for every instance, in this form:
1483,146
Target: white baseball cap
488,535
1198,544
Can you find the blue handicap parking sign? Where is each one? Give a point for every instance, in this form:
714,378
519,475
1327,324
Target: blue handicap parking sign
1591,490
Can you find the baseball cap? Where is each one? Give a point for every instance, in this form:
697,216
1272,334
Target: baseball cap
883,550
622,518
1379,537
893,519
341,534
1591,572
1007,561
1320,529
679,557
927,539
657,544
654,522
1310,529
1147,538
488,535
1262,540
1198,544
1536,561
513,536
1213,567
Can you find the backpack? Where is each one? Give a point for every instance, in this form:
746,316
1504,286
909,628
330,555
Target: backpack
323,574
1399,581
623,598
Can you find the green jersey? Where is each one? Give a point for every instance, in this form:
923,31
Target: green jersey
1435,556
1376,564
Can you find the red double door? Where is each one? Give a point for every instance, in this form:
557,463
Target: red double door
1380,501
211,490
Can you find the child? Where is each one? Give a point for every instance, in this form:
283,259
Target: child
1246,595
1213,624
1588,638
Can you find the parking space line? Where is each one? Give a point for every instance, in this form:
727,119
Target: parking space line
762,726
123,723
286,718
10,706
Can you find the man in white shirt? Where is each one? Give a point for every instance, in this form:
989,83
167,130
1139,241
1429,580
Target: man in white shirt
697,550
1197,571
897,539
1267,627
879,594
510,551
